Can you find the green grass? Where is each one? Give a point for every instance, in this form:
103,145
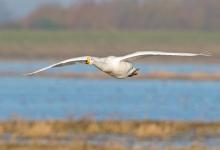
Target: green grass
62,36
63,43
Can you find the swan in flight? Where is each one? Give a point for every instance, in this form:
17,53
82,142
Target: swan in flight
118,67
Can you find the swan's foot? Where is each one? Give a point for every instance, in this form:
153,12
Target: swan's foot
134,73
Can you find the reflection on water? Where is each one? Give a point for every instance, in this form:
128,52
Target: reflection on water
126,141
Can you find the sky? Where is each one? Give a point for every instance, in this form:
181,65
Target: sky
20,8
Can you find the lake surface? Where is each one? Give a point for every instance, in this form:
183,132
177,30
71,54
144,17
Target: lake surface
60,98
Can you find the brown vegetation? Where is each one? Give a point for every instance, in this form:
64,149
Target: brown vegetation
83,146
56,131
74,146
141,129
19,134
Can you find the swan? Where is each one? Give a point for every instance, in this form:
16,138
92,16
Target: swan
117,67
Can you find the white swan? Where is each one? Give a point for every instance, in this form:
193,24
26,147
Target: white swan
118,67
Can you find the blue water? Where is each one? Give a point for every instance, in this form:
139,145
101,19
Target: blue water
57,98
44,98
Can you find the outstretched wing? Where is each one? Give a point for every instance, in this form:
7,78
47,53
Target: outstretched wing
62,63
138,55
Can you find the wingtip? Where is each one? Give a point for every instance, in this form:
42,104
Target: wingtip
205,54
28,74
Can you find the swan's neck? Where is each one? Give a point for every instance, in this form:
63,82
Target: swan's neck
99,63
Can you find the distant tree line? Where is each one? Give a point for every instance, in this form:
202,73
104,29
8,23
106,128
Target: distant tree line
127,14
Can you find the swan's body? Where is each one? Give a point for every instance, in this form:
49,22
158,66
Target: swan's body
118,67
114,67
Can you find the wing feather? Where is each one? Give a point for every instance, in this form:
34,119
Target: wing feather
140,54
60,64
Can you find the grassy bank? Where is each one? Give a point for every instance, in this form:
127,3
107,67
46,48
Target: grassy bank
61,44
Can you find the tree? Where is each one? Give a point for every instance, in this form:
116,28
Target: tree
128,14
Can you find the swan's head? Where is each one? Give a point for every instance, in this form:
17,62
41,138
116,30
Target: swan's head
89,60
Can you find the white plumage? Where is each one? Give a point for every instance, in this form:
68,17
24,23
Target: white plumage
118,67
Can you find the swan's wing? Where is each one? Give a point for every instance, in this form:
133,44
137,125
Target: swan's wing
138,55
62,63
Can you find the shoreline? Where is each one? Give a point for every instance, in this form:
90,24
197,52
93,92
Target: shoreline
139,129
159,75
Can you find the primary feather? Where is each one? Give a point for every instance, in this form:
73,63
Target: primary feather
141,54
62,63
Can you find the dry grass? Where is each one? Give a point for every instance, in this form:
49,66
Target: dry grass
150,129
83,146
58,130
74,146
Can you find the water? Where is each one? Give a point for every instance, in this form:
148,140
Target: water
127,141
53,98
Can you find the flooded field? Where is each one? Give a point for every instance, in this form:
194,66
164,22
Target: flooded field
127,104
57,98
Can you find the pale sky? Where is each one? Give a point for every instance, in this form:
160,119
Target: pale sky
20,8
